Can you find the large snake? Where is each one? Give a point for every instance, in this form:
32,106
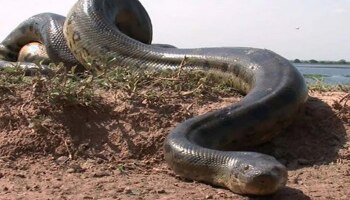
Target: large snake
119,32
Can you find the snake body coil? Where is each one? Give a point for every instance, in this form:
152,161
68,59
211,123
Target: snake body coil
119,32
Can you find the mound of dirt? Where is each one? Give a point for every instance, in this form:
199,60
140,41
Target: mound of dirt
112,149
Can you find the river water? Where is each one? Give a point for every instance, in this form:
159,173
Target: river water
331,74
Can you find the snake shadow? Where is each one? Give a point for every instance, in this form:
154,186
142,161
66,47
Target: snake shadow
87,129
314,138
100,131
286,193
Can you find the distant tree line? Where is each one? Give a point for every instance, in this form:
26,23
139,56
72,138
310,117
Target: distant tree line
312,61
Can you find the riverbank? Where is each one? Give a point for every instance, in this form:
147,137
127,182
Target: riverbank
329,74
91,138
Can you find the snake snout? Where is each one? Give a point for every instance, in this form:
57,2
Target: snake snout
266,180
258,174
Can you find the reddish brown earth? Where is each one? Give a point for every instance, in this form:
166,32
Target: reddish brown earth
113,149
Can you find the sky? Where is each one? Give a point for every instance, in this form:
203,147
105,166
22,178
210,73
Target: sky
312,29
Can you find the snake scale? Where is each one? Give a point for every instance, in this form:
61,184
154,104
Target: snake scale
120,32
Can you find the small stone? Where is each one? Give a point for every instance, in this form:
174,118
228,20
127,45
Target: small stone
127,190
61,160
102,155
222,194
101,174
46,122
161,191
31,125
75,169
20,175
89,164
70,170
6,189
99,161
209,197
136,192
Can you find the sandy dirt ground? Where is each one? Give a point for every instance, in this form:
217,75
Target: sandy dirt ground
113,149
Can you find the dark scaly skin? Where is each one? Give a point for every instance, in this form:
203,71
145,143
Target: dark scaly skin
45,28
275,91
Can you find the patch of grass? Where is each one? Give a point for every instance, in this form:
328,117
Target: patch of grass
61,86
67,87
156,86
64,87
10,80
315,76
320,85
11,77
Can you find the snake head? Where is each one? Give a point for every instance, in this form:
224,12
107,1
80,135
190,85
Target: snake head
257,174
